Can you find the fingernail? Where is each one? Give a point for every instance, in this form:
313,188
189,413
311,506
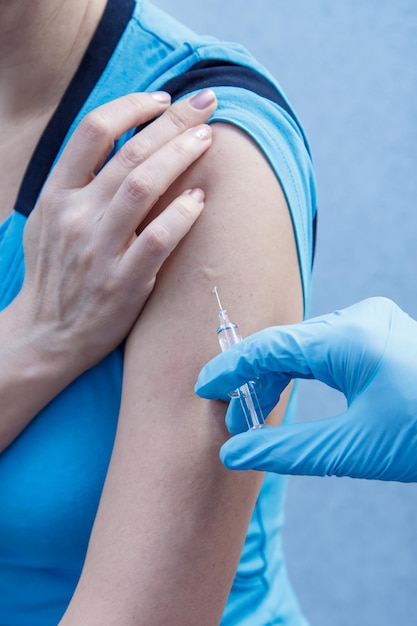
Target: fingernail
203,99
161,96
197,193
201,132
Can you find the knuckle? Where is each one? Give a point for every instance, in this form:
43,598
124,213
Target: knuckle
176,118
133,153
182,150
183,208
94,125
72,222
157,240
136,101
140,186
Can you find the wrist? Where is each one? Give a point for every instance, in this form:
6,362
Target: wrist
36,349
34,368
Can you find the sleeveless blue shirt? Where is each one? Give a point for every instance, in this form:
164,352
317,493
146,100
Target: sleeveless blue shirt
52,475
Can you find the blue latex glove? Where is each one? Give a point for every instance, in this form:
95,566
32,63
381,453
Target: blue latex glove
368,352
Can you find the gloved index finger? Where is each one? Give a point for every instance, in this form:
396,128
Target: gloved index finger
251,359
342,349
282,352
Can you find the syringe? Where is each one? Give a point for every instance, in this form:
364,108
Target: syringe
228,334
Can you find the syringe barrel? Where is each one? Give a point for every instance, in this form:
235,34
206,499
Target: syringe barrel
229,334
250,405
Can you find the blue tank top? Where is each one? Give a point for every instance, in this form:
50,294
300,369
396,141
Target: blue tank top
52,475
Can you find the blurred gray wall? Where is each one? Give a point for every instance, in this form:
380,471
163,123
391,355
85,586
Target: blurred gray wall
349,68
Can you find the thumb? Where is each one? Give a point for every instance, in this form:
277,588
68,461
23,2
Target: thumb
312,449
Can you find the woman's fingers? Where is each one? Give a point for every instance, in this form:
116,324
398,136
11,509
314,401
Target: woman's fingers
94,138
175,120
89,256
144,186
155,243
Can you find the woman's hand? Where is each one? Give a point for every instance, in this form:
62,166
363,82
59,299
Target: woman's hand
88,274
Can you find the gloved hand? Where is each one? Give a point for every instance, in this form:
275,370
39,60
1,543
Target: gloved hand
367,351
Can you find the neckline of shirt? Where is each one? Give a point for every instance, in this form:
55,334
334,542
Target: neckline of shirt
100,50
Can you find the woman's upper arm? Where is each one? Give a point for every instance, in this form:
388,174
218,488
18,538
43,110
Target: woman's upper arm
172,519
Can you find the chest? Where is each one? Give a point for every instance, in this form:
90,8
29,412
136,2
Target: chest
51,479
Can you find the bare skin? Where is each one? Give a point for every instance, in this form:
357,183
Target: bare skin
172,520
32,80
47,342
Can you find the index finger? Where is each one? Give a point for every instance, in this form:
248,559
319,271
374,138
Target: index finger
93,139
175,120
279,352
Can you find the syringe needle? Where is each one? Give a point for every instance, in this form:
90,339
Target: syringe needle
217,296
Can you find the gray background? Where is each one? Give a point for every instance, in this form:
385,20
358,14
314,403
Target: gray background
349,68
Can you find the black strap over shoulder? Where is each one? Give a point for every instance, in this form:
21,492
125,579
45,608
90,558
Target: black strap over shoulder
214,73
224,74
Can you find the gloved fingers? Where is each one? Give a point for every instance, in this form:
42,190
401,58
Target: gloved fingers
367,441
262,356
235,419
278,353
315,448
341,349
